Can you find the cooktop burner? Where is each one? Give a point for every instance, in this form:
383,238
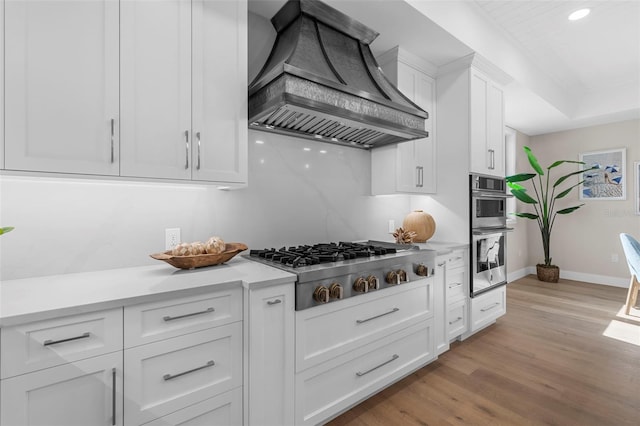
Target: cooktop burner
307,255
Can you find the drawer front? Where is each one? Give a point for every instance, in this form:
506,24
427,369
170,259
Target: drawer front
487,307
457,284
163,377
329,388
222,410
457,259
457,320
326,331
43,344
151,322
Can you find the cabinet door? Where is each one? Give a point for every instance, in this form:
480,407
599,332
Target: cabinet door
220,90
87,392
495,129
61,86
271,355
440,306
479,153
156,88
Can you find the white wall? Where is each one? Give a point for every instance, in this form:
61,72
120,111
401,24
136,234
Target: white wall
584,241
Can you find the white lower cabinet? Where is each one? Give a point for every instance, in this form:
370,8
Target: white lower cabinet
165,376
270,377
457,319
81,393
326,389
488,307
440,329
222,410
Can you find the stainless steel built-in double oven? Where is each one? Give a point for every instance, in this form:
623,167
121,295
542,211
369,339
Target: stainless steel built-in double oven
488,238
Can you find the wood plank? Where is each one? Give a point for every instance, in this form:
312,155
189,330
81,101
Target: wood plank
550,360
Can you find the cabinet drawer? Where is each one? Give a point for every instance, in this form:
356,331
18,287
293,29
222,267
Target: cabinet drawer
151,322
326,331
456,284
456,259
457,319
329,388
163,377
43,344
487,307
222,410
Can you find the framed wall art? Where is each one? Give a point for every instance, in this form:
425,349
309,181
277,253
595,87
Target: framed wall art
636,186
607,181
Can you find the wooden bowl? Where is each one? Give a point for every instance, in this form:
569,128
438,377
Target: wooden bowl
200,260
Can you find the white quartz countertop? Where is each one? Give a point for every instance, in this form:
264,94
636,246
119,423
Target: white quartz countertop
32,299
441,247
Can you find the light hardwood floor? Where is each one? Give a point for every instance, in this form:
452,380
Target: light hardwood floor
550,360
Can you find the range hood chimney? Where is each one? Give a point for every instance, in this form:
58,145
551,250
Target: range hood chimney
322,82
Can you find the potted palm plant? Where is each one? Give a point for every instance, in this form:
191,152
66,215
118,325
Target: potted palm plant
544,204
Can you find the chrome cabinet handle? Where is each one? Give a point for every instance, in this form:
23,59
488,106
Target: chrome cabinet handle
112,136
173,376
113,397
186,138
455,320
198,139
417,176
393,358
492,159
68,339
378,316
206,311
454,285
274,302
490,307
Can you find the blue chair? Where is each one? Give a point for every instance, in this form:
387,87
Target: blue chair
632,253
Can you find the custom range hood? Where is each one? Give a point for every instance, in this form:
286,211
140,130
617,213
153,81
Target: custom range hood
321,81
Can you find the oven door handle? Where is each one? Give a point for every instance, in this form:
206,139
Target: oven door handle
489,231
482,194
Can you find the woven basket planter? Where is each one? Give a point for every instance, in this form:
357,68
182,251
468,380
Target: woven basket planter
548,274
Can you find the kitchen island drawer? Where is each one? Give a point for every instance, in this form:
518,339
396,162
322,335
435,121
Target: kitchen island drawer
457,259
456,284
43,344
329,388
327,331
163,377
457,319
151,322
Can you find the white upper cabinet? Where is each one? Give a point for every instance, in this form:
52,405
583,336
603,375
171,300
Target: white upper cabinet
408,167
184,94
155,96
487,125
220,91
61,86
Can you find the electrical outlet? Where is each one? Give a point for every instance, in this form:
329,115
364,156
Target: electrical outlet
392,226
171,238
614,257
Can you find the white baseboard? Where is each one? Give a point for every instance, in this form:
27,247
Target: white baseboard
576,276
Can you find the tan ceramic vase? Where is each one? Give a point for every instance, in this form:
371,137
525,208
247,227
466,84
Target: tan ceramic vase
421,223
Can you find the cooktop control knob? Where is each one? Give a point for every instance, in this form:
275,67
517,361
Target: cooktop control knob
392,278
321,294
402,276
373,282
422,270
335,291
361,285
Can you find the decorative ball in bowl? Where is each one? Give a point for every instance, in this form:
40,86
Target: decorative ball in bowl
196,255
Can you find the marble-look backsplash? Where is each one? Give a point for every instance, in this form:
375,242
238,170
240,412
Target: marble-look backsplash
299,192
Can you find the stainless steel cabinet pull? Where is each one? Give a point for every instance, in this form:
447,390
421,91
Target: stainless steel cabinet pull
69,339
378,316
113,396
393,358
206,311
113,133
198,139
417,176
488,308
454,285
492,159
186,138
455,320
274,302
173,376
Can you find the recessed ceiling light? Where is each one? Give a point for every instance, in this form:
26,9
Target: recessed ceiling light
579,14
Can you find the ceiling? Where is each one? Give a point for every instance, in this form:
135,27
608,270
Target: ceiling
563,74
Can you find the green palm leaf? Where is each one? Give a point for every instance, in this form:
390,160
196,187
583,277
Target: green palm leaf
521,177
569,209
528,215
6,229
567,191
557,163
523,196
565,177
533,161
